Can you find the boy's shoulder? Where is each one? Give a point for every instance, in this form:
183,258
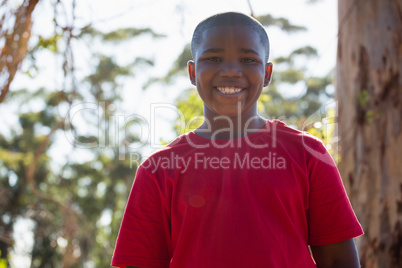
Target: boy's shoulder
180,145
301,142
298,141
290,134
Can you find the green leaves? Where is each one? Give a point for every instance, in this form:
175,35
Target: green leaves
290,75
55,98
179,68
183,58
107,70
119,34
306,51
191,106
126,33
103,81
282,23
50,43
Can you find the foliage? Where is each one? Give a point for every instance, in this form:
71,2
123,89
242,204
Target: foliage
282,23
119,34
75,196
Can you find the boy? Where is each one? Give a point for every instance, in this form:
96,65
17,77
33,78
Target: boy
239,191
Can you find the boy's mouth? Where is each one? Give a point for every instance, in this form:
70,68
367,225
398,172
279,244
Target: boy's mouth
229,90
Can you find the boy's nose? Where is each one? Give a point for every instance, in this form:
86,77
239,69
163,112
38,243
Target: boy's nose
231,70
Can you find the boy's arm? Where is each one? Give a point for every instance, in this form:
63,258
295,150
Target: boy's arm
337,255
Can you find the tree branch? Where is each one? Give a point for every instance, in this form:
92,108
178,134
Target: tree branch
16,45
30,174
251,9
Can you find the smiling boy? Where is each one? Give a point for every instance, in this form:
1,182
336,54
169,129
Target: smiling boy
229,206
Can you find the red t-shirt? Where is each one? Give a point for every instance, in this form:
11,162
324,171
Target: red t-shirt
255,201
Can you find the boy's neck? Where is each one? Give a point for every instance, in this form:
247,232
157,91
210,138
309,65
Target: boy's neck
226,128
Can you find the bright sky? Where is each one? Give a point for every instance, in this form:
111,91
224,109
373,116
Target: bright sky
176,19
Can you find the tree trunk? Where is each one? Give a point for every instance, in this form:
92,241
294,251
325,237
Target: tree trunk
16,45
369,94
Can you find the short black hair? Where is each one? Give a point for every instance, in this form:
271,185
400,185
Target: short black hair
229,19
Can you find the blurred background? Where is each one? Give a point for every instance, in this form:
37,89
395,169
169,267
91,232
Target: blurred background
90,88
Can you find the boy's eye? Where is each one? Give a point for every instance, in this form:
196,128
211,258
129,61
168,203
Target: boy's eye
248,60
214,59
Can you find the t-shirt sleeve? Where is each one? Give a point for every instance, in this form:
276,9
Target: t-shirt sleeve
145,231
330,215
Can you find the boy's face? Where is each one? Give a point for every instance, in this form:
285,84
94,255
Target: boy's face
229,70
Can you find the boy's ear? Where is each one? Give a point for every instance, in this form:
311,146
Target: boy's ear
268,73
191,71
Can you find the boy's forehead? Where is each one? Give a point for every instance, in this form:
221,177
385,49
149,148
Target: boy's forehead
224,34
205,32
225,30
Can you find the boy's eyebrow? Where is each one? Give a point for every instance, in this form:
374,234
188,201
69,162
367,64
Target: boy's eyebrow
249,50
243,50
212,50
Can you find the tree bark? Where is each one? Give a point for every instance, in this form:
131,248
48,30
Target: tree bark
16,46
369,94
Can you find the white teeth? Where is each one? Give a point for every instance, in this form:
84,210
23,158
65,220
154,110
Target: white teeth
229,90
